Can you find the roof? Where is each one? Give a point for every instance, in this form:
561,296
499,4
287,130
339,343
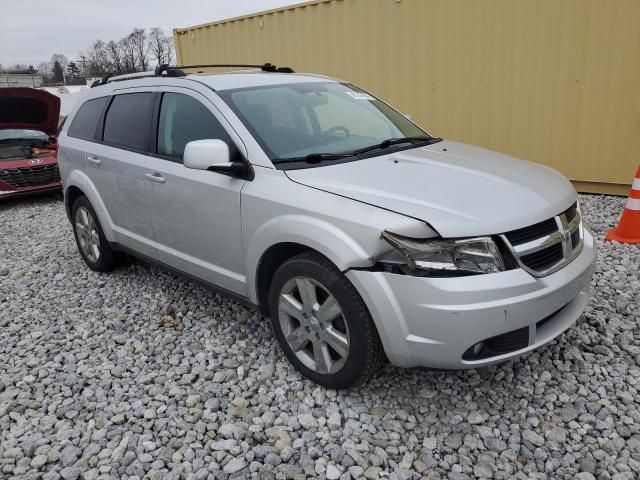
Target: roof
244,79
216,81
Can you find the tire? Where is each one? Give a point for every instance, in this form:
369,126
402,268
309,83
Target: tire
101,258
312,327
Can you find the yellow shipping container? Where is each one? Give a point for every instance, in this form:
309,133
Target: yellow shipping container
551,81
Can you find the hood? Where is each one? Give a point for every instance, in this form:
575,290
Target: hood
460,190
29,108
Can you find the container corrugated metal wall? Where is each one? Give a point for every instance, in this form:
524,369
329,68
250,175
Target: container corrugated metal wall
552,81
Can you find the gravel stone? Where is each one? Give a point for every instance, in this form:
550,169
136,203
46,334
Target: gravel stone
332,472
533,437
477,417
235,465
140,374
584,476
307,421
483,470
39,461
372,473
70,473
272,459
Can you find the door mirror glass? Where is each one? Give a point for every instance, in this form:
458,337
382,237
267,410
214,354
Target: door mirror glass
203,154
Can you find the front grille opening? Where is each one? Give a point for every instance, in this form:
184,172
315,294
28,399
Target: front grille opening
510,263
527,234
570,213
548,318
30,176
575,238
543,259
499,345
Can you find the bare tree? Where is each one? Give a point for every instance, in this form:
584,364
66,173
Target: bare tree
138,40
133,53
18,68
96,60
157,45
128,50
44,69
160,46
115,57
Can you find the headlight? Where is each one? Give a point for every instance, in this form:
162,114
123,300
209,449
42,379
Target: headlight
453,257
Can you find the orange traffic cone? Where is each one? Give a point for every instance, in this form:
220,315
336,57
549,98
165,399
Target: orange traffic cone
628,229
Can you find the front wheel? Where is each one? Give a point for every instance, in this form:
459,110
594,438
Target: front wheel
92,244
322,324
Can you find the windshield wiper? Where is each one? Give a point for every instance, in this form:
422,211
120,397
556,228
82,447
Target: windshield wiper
319,157
395,141
314,157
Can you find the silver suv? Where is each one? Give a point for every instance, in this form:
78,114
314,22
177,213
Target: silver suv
358,233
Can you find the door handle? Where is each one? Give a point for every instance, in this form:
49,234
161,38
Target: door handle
155,177
94,160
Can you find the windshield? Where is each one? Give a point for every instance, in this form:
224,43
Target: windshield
20,134
294,121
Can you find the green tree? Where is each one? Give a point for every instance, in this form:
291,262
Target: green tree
57,73
73,70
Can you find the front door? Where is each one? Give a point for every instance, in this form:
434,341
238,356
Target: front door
196,214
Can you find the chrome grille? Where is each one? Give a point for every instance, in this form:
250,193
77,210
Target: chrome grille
547,246
30,176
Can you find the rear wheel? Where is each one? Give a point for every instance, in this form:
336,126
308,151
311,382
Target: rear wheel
322,324
92,244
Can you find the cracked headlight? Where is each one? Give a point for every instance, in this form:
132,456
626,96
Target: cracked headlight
466,256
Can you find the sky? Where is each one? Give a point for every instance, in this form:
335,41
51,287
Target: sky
33,30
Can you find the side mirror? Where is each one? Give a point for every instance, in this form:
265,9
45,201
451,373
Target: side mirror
212,155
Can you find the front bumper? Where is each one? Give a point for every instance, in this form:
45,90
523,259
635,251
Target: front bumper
432,322
18,192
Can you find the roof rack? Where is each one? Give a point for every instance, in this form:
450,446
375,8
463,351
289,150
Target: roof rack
165,70
160,71
265,67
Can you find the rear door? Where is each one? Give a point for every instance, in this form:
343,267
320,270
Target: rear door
196,213
116,167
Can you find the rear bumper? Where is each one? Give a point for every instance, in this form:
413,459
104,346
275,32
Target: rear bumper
432,322
17,192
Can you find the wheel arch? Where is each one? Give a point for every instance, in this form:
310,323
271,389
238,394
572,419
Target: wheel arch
70,196
269,263
78,184
284,237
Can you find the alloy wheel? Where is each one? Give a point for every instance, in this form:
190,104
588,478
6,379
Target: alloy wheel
87,232
313,325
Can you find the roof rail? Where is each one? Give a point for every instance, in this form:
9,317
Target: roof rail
165,70
265,67
160,71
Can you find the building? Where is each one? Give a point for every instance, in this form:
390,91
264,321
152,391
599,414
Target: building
551,81
20,80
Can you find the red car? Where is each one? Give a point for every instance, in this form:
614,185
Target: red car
28,149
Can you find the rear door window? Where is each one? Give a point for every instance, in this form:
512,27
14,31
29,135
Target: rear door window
85,122
128,120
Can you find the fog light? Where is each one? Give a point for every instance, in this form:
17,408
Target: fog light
477,348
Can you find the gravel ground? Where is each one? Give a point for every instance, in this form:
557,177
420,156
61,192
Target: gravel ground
141,374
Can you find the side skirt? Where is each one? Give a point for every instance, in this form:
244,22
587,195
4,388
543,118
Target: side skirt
209,286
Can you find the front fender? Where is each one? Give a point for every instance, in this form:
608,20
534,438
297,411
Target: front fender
79,179
343,251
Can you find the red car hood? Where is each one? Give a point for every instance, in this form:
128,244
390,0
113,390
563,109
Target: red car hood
29,108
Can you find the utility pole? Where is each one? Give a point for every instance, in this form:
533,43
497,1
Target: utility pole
83,61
